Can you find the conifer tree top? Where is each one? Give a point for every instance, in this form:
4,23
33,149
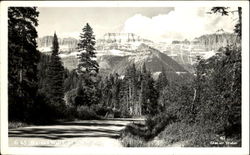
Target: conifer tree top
55,45
87,39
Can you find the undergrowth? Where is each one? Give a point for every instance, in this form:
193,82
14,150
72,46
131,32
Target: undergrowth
162,131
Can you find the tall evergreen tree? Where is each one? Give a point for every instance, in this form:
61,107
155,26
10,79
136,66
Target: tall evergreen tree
161,83
132,82
87,68
23,58
71,81
115,90
43,65
56,76
152,96
86,48
162,80
144,90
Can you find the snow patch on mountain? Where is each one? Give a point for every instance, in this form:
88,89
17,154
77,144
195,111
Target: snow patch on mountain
44,49
62,55
114,52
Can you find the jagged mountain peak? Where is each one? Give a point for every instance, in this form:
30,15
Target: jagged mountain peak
143,46
220,31
151,57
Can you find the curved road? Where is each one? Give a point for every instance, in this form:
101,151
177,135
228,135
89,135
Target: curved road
84,133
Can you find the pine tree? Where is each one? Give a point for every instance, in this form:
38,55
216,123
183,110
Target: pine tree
124,98
86,48
56,76
83,95
144,89
71,81
106,91
115,90
152,96
162,80
132,82
43,66
87,68
23,58
161,83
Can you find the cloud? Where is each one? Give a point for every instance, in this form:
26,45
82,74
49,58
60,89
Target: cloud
181,23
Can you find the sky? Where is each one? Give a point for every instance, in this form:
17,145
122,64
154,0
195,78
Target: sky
159,24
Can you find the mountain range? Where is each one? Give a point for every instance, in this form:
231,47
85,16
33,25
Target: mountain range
116,51
152,58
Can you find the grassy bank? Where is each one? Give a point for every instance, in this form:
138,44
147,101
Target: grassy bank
166,133
13,125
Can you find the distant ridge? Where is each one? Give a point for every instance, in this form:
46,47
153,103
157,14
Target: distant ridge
152,58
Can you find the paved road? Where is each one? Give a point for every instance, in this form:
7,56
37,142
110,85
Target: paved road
85,133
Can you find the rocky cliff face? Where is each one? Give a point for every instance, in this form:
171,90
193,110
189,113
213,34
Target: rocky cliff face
124,41
121,38
185,52
216,40
45,41
65,44
108,42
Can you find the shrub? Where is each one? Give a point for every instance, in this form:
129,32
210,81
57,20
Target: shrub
117,114
124,112
42,112
176,132
70,97
99,109
14,124
156,124
69,112
132,141
86,113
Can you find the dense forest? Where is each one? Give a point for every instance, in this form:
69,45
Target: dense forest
197,108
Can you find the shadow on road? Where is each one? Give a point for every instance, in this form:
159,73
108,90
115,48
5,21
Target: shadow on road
69,130
90,124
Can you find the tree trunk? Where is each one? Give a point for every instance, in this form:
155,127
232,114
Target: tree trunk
194,98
